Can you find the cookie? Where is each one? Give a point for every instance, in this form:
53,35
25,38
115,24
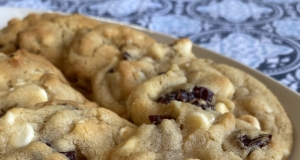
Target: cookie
253,98
203,134
209,86
113,84
8,35
27,79
186,108
51,38
61,130
93,49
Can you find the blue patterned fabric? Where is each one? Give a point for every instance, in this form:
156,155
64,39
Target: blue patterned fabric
263,34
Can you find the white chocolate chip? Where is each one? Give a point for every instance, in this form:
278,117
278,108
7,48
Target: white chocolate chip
140,37
176,107
211,118
142,75
126,132
44,94
36,71
129,145
286,152
221,107
20,82
81,121
228,103
201,101
23,137
187,65
156,51
177,104
9,118
252,120
27,95
199,120
183,46
147,59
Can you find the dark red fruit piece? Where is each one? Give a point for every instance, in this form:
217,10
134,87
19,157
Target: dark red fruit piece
70,155
260,141
171,96
168,98
48,144
196,103
206,106
160,73
156,119
161,100
203,93
182,95
179,95
191,97
111,71
126,56
17,47
11,55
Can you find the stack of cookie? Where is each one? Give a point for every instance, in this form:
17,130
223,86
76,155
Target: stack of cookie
74,88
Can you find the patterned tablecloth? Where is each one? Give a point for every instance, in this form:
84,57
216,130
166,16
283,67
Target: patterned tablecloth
263,34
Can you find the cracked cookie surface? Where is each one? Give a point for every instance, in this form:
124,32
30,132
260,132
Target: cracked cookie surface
27,79
93,49
61,130
186,108
113,84
209,86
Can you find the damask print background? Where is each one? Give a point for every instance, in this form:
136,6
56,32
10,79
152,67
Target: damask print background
263,34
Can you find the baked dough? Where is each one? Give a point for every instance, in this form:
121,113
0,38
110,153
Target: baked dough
61,130
27,79
180,106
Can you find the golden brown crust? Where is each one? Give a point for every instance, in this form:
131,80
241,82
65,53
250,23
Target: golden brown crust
238,92
8,35
50,130
253,98
113,84
51,38
234,116
27,79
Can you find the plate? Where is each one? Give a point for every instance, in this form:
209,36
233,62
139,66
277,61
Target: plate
288,98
